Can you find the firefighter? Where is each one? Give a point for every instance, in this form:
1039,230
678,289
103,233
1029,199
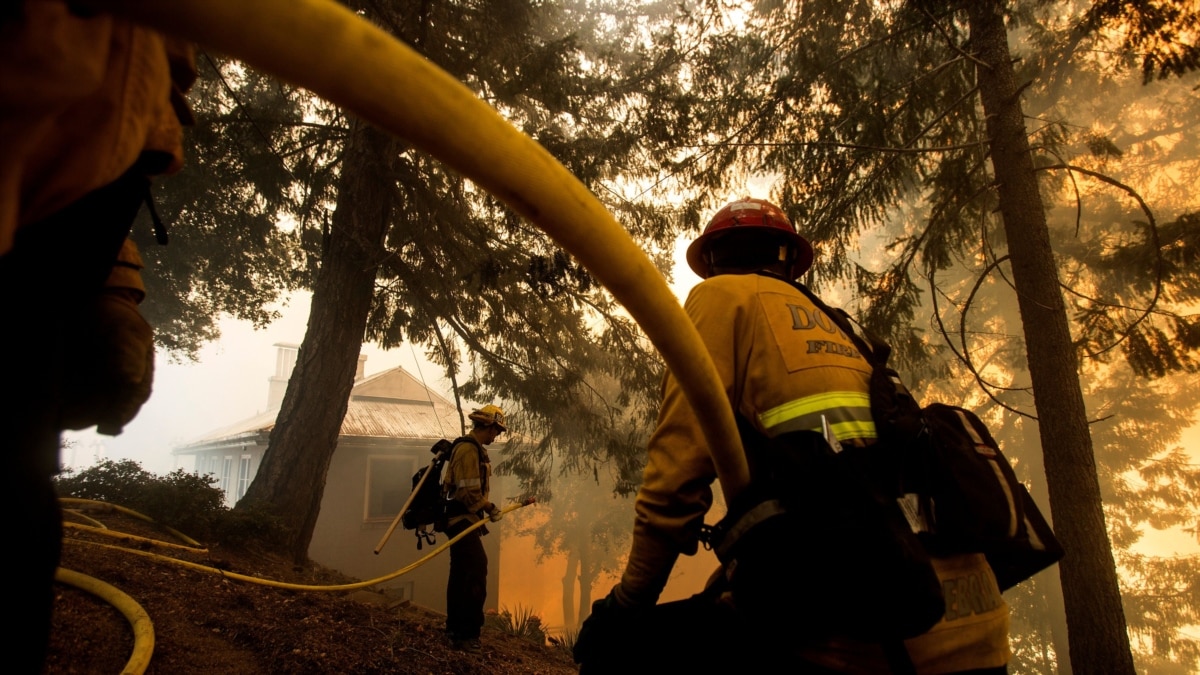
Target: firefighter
786,367
466,483
90,107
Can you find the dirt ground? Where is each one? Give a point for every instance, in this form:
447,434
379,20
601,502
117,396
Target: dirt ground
206,623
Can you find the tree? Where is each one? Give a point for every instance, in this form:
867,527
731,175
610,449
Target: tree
1146,481
587,522
1099,639
291,478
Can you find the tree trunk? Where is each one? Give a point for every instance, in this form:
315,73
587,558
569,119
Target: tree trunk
570,619
1049,580
1099,641
291,479
587,579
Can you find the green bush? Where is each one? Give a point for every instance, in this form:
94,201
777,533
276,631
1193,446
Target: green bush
180,499
122,483
251,528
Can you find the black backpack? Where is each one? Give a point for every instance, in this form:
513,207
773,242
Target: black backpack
965,496
976,503
427,508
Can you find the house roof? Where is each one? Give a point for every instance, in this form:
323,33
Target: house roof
389,404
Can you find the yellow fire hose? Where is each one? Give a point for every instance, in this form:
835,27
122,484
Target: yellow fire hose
76,513
105,506
131,538
370,73
139,620
304,587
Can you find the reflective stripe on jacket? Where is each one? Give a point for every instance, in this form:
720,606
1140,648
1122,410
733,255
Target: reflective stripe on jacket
847,413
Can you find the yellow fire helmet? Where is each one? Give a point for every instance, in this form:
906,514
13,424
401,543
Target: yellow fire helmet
489,414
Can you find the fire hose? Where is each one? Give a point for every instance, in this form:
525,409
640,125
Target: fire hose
139,620
303,587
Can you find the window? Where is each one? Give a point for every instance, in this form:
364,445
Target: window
389,482
227,476
243,477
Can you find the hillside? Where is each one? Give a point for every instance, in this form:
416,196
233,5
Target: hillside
206,623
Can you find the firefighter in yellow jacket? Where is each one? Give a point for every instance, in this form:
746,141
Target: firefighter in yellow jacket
466,483
91,106
786,367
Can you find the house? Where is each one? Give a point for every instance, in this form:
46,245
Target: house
392,421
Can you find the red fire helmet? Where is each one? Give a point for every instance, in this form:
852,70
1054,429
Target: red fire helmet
754,215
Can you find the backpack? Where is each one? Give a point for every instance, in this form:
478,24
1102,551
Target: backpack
961,494
976,503
427,507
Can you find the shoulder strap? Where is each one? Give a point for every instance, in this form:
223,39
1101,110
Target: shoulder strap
471,439
478,448
873,348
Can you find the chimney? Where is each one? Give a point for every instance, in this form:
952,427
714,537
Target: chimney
285,363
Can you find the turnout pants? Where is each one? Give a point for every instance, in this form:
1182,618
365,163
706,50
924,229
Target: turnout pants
54,267
466,589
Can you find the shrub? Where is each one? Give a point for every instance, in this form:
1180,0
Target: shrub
185,501
180,499
252,528
521,622
122,482
566,641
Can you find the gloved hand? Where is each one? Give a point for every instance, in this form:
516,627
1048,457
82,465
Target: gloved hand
494,513
607,635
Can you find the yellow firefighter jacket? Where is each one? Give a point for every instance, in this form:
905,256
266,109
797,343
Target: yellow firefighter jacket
784,365
467,480
82,98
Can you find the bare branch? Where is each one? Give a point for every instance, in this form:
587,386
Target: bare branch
1154,241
